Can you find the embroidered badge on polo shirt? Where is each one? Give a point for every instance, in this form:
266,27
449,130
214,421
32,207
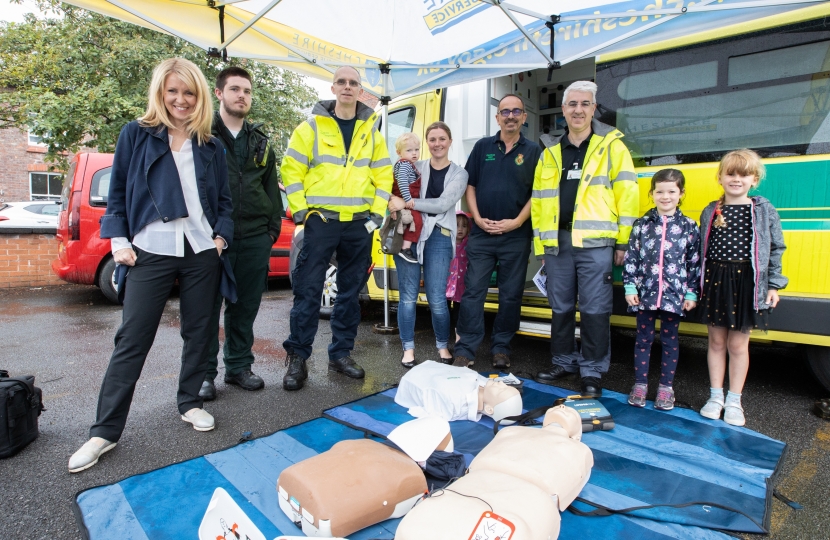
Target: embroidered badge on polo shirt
489,157
520,159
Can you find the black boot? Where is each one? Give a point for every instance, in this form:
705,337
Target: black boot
348,367
296,374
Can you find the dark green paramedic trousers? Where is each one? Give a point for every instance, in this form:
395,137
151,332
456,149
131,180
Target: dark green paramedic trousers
249,258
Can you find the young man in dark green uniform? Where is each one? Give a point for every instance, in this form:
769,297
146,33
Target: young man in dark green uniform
257,215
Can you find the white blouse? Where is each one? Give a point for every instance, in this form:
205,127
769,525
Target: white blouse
168,238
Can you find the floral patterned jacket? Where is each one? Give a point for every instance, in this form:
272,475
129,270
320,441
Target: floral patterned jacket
662,264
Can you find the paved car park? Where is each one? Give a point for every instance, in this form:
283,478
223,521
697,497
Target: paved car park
64,336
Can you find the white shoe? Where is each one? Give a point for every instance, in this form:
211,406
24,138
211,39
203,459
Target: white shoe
200,418
734,415
88,454
712,410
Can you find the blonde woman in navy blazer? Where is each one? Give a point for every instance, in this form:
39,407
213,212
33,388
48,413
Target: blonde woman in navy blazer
169,218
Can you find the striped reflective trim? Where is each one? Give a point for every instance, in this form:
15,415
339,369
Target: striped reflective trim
626,176
627,221
293,188
382,194
361,162
598,242
382,162
312,123
549,235
545,193
595,225
295,154
338,201
600,181
535,232
327,159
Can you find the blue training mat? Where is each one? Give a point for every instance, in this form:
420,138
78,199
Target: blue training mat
170,502
649,458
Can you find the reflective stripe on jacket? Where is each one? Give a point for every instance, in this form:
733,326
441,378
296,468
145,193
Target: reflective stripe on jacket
607,200
319,175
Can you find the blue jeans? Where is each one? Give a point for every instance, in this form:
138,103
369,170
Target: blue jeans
437,257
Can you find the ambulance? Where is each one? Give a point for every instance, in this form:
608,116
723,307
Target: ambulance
682,107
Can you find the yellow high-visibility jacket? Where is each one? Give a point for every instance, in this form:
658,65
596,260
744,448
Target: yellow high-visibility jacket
607,199
319,175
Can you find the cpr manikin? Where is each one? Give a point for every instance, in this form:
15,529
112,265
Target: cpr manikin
358,483
517,485
455,393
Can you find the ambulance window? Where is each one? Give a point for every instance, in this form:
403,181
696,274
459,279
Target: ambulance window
400,121
669,81
780,63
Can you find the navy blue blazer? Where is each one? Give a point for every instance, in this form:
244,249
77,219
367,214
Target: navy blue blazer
145,187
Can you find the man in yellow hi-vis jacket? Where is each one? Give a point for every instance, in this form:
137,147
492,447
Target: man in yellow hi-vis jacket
338,177
584,203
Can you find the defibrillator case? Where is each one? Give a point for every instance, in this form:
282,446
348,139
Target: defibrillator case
355,484
594,415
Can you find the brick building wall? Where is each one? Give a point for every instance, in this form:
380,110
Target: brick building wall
17,159
26,259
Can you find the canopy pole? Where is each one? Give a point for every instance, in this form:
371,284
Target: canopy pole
385,69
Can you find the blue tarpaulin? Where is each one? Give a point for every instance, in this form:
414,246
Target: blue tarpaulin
650,457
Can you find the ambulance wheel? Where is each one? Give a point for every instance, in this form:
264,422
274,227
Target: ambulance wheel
818,358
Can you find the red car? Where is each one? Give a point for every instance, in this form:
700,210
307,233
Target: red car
84,257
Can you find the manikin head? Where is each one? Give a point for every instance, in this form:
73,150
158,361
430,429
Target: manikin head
565,418
500,401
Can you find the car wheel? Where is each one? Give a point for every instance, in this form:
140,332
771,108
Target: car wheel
818,358
329,291
329,284
106,281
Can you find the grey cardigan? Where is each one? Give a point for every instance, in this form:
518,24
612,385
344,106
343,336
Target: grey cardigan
767,247
455,184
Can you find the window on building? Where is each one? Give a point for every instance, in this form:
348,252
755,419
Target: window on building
45,186
35,140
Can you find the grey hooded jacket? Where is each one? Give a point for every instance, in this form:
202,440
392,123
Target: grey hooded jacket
767,247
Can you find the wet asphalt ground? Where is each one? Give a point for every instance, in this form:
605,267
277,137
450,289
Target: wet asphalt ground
63,335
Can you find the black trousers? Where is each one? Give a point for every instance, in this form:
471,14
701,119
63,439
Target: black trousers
147,288
483,252
249,258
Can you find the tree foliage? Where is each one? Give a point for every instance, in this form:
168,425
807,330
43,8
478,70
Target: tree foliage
75,78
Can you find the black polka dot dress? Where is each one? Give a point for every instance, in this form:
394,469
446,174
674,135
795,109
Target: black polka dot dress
728,293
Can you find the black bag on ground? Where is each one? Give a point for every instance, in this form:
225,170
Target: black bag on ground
20,405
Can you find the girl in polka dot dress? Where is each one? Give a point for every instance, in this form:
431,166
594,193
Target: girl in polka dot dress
660,275
741,253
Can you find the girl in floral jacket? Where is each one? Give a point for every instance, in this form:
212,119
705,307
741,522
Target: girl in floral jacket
661,277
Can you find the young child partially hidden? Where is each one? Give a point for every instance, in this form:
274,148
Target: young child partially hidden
458,269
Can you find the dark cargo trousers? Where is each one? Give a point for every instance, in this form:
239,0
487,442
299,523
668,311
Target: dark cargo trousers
249,258
352,245
584,274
